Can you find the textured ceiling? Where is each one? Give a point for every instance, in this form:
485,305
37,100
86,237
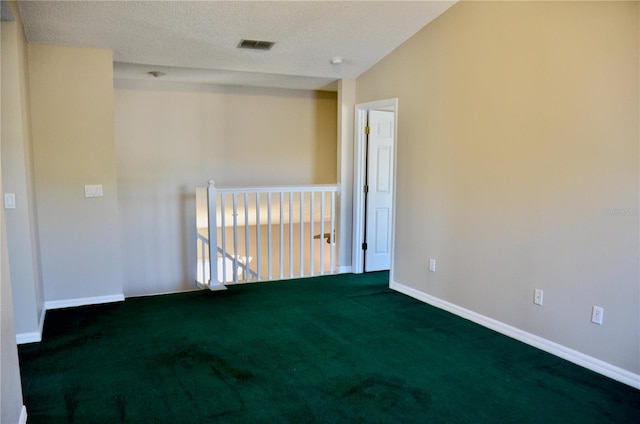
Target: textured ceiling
196,40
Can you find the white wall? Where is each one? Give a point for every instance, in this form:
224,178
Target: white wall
17,176
73,143
346,105
517,138
10,385
172,138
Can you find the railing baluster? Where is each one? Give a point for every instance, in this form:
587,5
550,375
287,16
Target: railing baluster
200,250
212,233
205,247
258,245
246,238
269,231
332,233
290,234
308,210
281,236
301,234
235,238
200,263
223,232
322,233
312,218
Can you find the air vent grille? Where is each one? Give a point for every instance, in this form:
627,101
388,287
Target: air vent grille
255,44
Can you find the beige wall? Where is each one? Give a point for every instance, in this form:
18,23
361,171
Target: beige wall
171,138
73,142
17,175
518,166
10,386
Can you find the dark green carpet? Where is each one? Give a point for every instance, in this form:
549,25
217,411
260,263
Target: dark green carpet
324,350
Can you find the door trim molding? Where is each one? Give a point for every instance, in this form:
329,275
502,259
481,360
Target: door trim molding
359,158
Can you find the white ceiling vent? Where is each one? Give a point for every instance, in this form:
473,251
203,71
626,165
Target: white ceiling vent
255,44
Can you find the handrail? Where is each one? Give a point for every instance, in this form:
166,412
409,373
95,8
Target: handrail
243,266
277,189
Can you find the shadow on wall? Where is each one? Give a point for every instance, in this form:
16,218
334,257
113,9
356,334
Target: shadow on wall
187,246
325,162
171,139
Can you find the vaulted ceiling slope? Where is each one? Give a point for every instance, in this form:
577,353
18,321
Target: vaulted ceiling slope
197,40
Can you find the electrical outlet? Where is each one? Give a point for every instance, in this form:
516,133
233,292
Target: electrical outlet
537,296
597,314
432,265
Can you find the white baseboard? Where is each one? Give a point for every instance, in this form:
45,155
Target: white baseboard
129,296
586,361
344,269
24,338
35,336
83,301
23,415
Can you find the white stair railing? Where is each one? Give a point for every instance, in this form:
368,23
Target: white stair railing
267,233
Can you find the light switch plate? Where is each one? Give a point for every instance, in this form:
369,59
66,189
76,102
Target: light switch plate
432,265
93,190
9,200
597,312
538,296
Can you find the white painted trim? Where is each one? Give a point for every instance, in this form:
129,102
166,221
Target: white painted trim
35,336
344,270
130,296
344,212
212,217
82,301
578,358
395,190
23,415
216,287
43,315
359,158
24,338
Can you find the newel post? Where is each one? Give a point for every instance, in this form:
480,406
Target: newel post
214,283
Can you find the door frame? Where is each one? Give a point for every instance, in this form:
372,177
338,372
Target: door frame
359,168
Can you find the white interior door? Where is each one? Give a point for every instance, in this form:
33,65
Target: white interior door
378,220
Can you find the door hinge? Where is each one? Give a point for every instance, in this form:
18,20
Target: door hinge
367,130
364,246
366,189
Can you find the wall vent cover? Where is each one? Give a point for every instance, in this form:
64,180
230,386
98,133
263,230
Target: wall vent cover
255,44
